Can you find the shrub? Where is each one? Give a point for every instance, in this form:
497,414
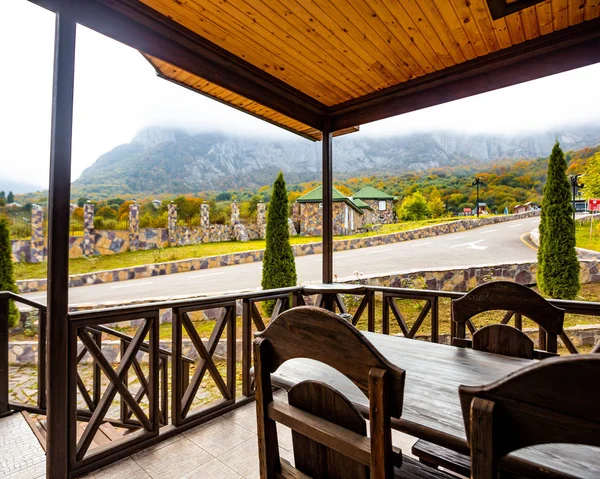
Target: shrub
558,266
414,208
107,212
435,204
279,266
7,277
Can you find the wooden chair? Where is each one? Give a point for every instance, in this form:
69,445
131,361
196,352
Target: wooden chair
496,338
519,301
329,434
550,402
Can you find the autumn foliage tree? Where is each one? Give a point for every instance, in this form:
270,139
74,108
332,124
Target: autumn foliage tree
7,278
558,266
279,266
414,208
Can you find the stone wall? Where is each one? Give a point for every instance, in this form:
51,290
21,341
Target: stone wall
387,216
311,215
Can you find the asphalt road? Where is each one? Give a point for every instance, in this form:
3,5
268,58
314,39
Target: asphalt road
493,244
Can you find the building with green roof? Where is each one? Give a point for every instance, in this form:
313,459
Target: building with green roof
381,204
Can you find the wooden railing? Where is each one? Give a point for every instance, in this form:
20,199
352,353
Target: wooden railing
157,387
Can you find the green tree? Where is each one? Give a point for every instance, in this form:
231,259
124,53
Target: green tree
279,266
414,208
7,278
10,198
591,177
558,267
435,204
2,195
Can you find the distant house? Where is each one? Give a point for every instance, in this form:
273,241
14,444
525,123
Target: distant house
483,208
382,205
156,203
530,206
348,214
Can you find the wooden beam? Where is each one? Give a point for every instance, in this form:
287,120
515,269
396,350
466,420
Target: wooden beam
502,8
140,27
565,50
57,463
327,210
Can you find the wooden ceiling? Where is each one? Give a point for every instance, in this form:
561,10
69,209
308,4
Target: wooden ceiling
329,65
336,51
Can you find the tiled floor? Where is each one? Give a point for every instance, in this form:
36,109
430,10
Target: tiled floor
225,448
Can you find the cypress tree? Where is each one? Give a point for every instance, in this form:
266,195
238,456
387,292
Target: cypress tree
558,266
7,279
279,266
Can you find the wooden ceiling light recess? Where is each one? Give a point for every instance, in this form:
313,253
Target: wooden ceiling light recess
314,65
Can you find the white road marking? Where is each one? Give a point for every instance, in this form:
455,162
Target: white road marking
487,232
204,275
514,226
471,245
131,285
421,244
378,251
457,237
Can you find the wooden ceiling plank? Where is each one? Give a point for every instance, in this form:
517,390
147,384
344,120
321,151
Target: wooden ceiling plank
348,39
502,33
544,16
326,39
515,28
473,34
592,9
367,21
576,11
212,28
530,23
481,14
560,12
340,25
285,27
406,33
451,19
418,31
332,88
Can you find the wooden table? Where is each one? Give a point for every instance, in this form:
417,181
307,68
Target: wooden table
431,402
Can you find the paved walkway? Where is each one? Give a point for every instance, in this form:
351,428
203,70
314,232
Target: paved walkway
225,448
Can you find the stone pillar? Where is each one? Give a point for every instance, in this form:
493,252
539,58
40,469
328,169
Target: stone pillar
38,249
88,229
235,214
172,224
134,226
205,222
261,218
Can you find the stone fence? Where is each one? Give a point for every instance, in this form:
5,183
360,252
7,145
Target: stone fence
196,264
96,242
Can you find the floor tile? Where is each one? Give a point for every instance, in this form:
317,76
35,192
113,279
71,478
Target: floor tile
219,436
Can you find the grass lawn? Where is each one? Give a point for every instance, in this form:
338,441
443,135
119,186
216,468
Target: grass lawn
136,258
584,239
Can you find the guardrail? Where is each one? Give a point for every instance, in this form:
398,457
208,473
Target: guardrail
148,392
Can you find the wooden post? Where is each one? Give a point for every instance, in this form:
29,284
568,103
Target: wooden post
327,209
4,309
57,464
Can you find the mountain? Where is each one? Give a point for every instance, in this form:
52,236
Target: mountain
169,160
18,187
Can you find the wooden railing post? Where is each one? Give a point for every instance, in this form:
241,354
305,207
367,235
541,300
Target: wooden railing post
246,347
42,358
435,327
4,408
371,310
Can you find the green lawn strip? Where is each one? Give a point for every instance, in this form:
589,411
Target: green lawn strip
583,237
176,253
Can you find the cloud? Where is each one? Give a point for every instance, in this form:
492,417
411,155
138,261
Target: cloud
117,93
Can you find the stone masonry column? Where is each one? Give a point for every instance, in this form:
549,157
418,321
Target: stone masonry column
134,226
88,229
172,224
235,213
38,250
205,222
261,218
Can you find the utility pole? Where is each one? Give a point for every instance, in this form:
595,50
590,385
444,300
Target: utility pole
574,186
477,182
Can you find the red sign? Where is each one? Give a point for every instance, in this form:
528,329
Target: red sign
594,205
467,210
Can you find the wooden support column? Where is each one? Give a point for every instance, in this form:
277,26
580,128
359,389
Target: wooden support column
57,464
327,207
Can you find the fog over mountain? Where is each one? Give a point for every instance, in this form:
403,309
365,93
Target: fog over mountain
171,160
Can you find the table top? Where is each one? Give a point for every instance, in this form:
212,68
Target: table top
333,288
431,402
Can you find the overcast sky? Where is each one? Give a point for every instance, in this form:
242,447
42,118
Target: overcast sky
117,93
